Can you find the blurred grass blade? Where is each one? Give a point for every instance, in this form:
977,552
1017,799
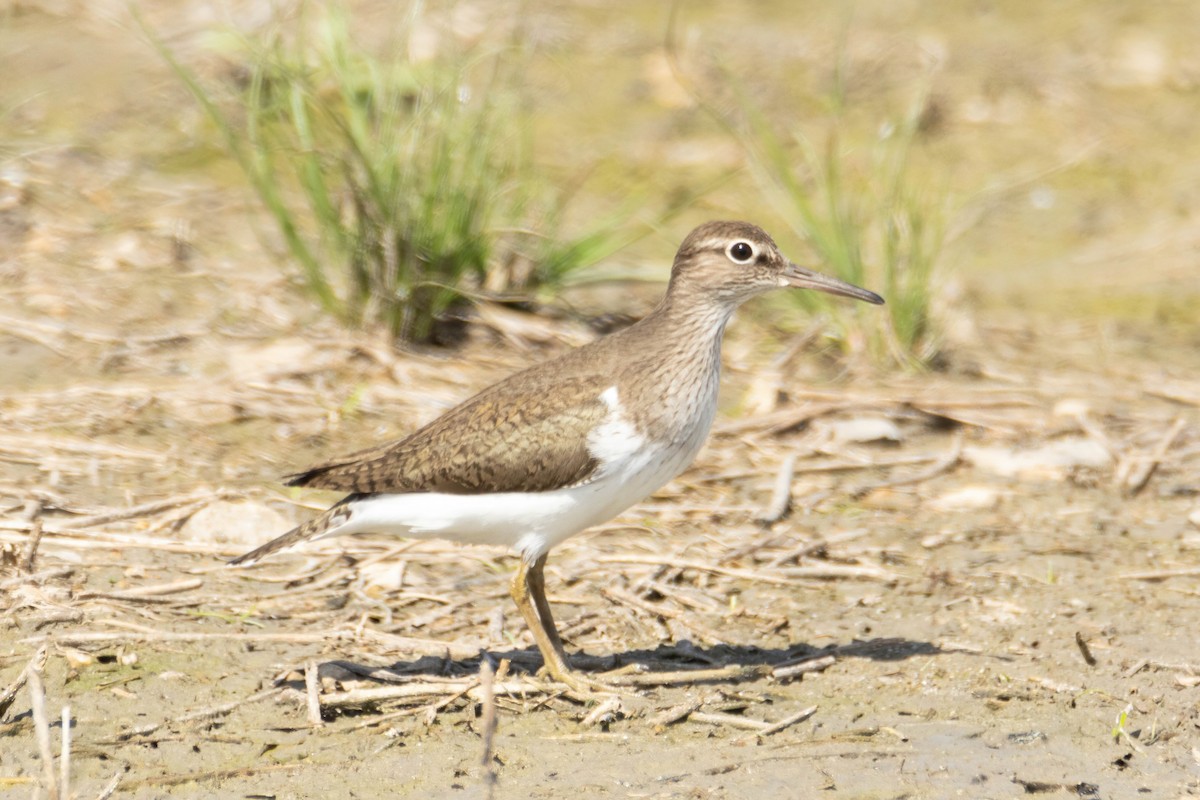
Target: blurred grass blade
394,183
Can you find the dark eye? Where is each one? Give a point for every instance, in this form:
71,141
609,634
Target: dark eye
741,252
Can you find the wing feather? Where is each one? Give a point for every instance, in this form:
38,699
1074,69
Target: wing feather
526,434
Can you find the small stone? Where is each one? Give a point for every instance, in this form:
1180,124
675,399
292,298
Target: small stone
940,538
1051,461
77,659
1140,61
861,430
243,523
1071,407
277,359
385,576
968,498
127,249
890,500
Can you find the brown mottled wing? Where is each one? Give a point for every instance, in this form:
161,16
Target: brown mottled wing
527,435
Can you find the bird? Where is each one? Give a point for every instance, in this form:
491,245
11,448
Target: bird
571,442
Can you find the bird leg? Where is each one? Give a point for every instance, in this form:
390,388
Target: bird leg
529,593
535,579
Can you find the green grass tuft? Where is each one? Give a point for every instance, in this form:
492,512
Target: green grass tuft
869,221
402,189
863,210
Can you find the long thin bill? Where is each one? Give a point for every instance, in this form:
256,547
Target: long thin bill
804,278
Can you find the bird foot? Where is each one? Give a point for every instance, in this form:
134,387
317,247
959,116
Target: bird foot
581,685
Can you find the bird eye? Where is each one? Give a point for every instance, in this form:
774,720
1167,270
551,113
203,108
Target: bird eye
741,252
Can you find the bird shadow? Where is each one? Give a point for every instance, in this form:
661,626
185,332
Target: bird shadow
675,659
684,655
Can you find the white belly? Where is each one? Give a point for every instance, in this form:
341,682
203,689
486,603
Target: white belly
631,469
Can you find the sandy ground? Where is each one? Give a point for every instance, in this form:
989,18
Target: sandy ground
986,587
941,619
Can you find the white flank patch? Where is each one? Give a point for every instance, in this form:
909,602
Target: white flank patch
611,398
616,440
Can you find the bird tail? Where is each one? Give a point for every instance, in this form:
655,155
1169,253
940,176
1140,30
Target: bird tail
322,525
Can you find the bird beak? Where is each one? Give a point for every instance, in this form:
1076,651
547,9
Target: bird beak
803,278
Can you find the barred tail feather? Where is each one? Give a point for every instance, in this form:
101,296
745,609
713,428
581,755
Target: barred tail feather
322,525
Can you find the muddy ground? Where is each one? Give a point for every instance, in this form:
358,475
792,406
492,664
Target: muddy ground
986,587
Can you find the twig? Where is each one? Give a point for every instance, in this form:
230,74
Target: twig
41,727
734,672
695,629
786,722
110,788
1138,474
31,547
784,420
814,665
822,465
422,689
1162,574
732,720
1081,643
97,540
216,776
149,509
37,578
854,648
840,572
625,598
781,494
668,561
1086,651
180,636
312,689
1177,391
380,674
211,713
10,692
943,464
64,760
138,633
32,508
19,329
146,592
410,644
787,578
488,700
77,447
15,324
674,714
1137,667
430,709
841,465
604,713
1097,434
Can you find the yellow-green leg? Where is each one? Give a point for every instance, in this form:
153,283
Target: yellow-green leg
529,593
535,578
